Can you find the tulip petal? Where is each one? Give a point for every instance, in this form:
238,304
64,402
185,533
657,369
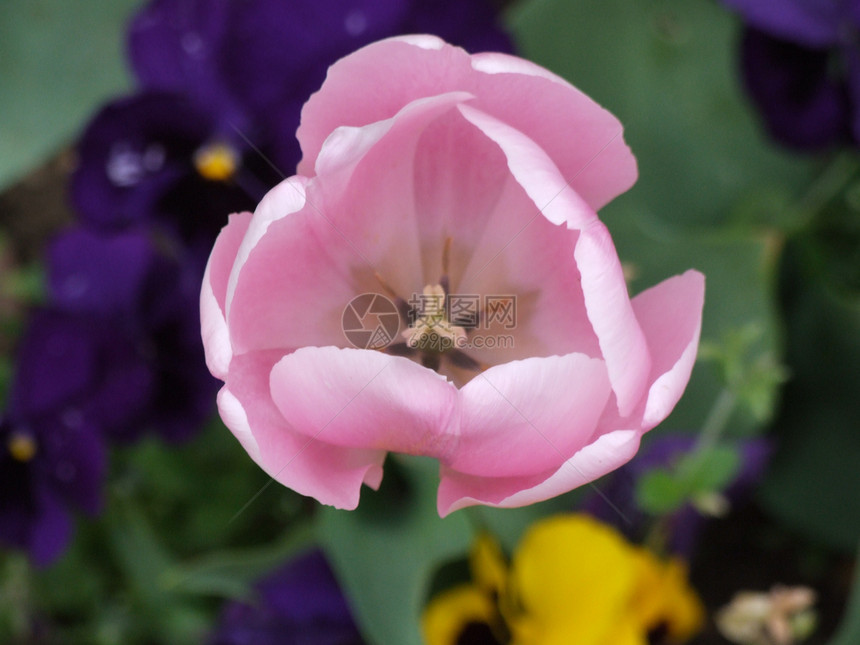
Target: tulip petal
400,70
365,399
622,341
331,474
671,317
602,456
213,295
286,198
291,281
535,171
528,416
584,140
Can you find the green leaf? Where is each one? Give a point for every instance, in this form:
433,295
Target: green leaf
706,471
659,492
138,552
386,552
813,478
58,60
702,472
153,612
668,70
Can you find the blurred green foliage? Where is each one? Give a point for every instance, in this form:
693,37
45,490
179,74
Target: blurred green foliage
58,61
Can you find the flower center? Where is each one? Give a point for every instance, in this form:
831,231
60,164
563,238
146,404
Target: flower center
216,161
22,446
432,331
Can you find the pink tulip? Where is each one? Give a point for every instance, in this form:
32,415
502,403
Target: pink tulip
429,173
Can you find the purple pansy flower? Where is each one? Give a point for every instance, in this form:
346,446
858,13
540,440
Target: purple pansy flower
222,86
157,158
300,604
51,454
801,67
156,378
685,524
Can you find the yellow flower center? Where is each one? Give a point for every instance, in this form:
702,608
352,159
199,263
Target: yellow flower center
216,161
22,446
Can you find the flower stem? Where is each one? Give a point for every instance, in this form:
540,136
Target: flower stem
717,421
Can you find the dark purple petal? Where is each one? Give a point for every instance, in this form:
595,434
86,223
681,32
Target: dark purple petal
135,312
300,603
131,153
101,274
55,364
185,393
120,399
49,531
800,103
174,46
813,23
65,470
473,25
73,459
289,41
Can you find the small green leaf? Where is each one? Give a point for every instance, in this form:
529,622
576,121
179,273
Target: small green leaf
660,492
700,473
709,470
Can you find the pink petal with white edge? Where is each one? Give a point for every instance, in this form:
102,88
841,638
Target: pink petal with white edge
535,171
293,286
400,70
605,291
604,455
607,302
286,198
525,417
368,192
331,474
213,295
671,317
363,398
584,140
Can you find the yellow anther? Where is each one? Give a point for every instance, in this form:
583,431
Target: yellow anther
21,446
216,161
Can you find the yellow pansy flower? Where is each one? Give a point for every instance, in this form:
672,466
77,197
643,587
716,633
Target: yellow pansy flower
571,580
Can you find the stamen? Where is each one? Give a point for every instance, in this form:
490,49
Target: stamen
432,331
22,446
